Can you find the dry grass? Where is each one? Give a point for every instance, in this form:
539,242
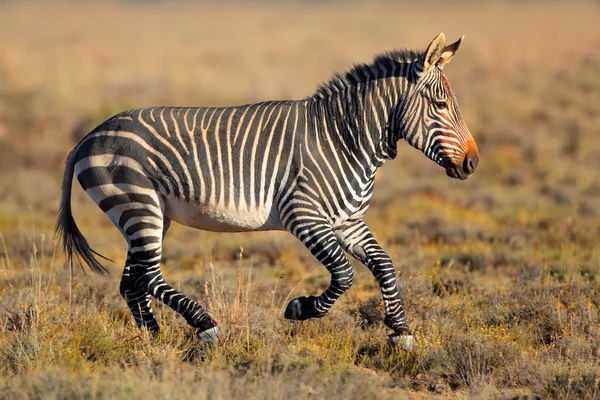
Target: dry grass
501,272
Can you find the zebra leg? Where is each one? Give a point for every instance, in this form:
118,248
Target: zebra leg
134,204
146,276
319,238
356,238
139,301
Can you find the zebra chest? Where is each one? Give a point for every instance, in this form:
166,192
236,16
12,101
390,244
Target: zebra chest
350,212
221,217
362,210
357,213
362,206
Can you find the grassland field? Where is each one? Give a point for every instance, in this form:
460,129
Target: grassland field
500,272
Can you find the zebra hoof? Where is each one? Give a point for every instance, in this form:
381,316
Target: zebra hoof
293,310
210,336
403,342
301,308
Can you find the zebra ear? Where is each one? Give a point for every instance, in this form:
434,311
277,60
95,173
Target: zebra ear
449,51
434,51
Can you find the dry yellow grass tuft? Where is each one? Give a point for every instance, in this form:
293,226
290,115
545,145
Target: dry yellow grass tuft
500,273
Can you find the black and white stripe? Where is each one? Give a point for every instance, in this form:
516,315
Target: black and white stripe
304,166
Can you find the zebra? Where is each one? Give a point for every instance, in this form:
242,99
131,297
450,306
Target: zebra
304,166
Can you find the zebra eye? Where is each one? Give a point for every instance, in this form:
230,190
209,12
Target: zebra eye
440,104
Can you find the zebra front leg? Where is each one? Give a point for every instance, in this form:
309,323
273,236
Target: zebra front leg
146,276
319,238
356,238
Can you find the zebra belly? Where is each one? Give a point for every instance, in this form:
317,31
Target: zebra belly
220,218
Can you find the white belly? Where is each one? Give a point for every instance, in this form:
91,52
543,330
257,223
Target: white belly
222,219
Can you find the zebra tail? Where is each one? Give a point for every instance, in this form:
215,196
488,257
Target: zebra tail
74,244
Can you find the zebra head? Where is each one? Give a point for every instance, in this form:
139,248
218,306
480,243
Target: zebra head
431,118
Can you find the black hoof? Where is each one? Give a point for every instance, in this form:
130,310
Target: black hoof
301,308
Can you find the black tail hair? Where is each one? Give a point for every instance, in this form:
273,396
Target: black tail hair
73,241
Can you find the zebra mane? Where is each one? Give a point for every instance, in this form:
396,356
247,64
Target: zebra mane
366,73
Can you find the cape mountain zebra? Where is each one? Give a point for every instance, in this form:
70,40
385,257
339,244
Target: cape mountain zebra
305,166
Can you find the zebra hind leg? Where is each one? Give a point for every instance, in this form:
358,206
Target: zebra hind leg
146,276
138,301
134,203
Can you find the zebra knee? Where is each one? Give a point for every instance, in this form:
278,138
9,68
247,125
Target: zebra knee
126,284
144,268
343,281
139,279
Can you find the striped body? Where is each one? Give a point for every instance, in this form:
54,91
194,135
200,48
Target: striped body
304,166
221,169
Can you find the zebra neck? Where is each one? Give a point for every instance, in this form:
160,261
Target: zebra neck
358,118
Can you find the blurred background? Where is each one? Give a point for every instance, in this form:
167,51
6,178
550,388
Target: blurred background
526,79
525,226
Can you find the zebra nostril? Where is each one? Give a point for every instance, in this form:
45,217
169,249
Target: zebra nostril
470,163
473,161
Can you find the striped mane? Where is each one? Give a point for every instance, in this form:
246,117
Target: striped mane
367,73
